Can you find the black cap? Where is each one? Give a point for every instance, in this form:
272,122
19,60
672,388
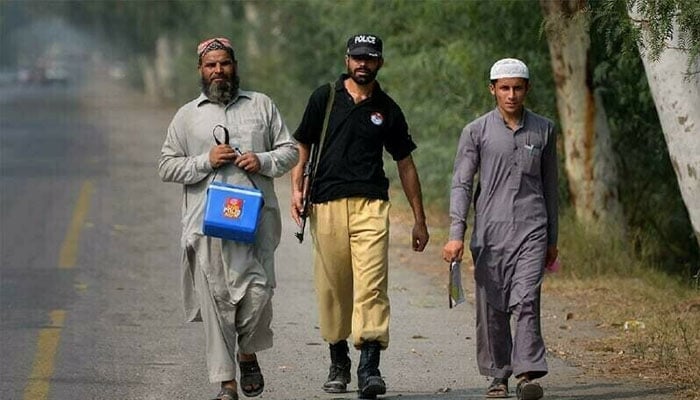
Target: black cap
364,45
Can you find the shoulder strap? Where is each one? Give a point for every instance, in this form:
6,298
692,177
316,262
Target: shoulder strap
329,106
236,149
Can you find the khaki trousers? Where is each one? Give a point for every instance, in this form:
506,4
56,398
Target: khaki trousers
351,240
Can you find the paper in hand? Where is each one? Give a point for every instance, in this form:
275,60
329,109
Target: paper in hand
456,291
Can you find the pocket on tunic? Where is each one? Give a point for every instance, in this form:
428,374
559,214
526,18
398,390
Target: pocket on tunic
251,136
531,157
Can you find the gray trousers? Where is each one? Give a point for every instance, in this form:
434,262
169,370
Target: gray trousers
246,323
501,354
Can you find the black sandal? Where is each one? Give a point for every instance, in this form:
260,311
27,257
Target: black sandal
226,394
498,389
251,377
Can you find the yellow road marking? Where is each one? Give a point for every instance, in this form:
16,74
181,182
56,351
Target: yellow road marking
38,386
69,249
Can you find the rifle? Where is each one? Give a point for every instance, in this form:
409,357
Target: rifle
306,192
311,165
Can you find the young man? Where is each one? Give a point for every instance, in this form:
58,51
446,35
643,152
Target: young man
350,216
228,285
515,228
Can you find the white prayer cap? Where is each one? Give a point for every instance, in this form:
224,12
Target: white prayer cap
509,68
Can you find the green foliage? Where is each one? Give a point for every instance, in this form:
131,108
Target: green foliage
437,57
648,187
598,251
662,19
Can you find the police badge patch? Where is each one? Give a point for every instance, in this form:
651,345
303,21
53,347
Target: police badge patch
377,118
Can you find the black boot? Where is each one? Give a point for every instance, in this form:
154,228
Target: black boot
369,379
339,372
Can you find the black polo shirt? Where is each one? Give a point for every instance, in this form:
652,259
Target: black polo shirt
351,162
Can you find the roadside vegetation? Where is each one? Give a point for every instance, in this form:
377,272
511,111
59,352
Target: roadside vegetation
650,318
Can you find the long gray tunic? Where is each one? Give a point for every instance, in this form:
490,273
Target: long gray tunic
516,204
255,124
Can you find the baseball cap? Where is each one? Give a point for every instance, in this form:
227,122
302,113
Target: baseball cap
364,44
509,68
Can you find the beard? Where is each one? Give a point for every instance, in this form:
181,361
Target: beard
221,92
368,78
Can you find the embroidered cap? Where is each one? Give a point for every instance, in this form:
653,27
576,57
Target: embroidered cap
219,43
509,68
364,45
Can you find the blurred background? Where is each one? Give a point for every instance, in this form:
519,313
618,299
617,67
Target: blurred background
87,88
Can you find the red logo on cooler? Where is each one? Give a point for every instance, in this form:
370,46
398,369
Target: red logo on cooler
233,207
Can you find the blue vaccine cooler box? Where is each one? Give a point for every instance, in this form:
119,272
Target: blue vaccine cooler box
232,212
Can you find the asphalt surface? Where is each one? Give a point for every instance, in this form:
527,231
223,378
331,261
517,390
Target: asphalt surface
121,334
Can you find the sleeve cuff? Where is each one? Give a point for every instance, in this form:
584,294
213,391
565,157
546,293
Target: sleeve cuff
203,164
265,163
457,232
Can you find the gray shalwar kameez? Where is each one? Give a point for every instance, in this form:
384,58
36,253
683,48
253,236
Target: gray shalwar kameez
516,220
226,284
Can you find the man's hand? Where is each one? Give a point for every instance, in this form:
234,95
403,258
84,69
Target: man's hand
296,208
298,178
248,162
420,236
552,253
221,155
453,250
224,154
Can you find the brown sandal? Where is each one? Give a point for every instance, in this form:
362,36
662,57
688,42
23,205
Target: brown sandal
528,390
226,394
498,389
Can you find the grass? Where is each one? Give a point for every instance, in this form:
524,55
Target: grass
651,319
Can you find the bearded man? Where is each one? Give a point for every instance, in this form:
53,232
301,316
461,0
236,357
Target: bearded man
228,284
350,216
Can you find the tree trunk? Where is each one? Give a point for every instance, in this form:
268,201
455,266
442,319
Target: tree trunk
148,74
589,159
676,95
252,19
165,67
158,72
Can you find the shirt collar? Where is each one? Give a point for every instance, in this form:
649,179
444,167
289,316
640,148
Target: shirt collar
521,123
241,93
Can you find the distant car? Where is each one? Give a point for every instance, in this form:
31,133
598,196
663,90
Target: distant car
34,75
56,75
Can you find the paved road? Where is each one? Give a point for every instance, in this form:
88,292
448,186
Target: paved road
89,290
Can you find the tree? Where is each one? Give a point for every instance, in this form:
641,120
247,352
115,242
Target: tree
669,42
589,159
